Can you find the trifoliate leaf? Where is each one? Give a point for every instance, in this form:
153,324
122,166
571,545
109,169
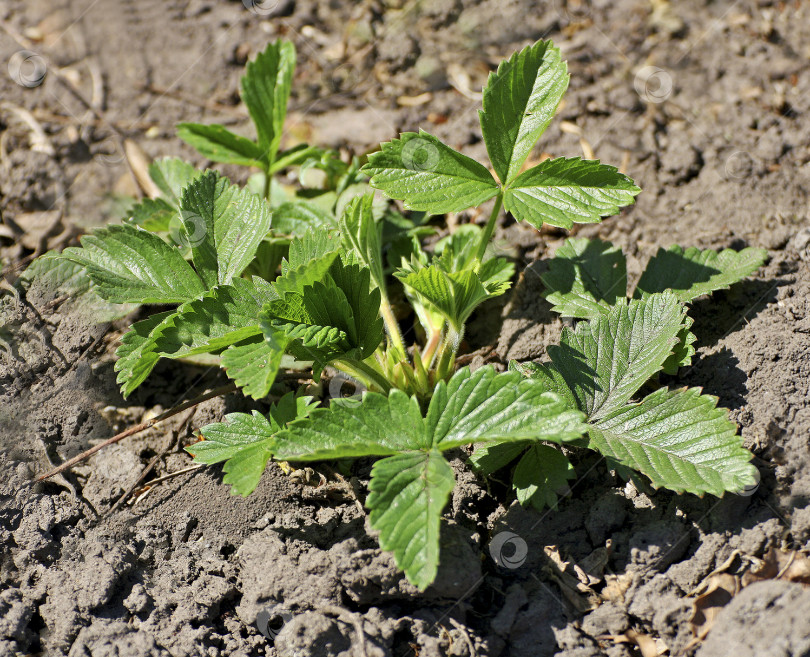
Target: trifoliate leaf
137,354
538,476
429,175
607,359
690,273
563,191
223,225
224,316
585,278
481,406
172,175
219,144
131,265
411,487
680,440
407,493
254,364
520,100
246,441
362,234
266,91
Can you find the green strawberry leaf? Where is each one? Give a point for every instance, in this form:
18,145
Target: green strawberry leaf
539,474
563,191
224,316
137,354
219,144
607,359
484,406
410,488
690,273
132,265
585,278
223,225
429,175
363,236
294,218
254,363
407,493
172,175
520,100
152,214
245,441
336,317
680,440
266,91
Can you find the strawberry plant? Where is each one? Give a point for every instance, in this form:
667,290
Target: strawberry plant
325,300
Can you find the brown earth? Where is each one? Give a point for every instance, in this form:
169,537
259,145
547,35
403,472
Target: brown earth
719,140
